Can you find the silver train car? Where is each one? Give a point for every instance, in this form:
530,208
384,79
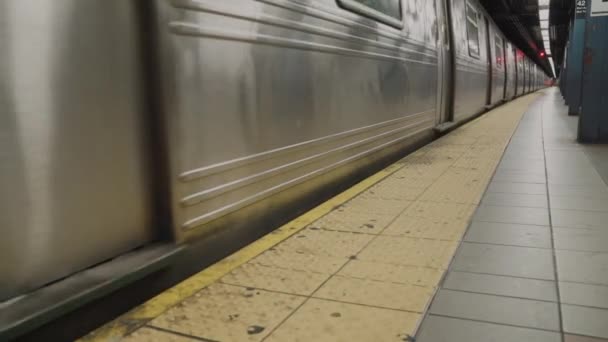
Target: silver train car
125,123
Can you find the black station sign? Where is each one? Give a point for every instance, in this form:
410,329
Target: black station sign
581,9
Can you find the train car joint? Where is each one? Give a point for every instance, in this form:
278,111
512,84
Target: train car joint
446,127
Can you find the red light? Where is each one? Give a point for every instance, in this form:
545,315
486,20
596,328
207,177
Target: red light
542,54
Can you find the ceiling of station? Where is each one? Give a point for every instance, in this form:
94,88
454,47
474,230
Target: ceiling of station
536,27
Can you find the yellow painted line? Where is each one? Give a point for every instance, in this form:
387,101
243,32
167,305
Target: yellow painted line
156,306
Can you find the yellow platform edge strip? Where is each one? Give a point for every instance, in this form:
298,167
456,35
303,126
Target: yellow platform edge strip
142,314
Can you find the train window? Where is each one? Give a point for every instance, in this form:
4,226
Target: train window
473,30
500,56
385,11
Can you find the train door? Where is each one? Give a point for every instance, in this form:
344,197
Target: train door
489,62
505,53
77,191
511,63
532,76
517,71
506,70
526,76
445,64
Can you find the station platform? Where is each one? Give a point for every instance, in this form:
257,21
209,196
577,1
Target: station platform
494,232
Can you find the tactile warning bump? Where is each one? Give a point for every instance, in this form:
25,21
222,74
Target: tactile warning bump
154,335
409,251
484,165
493,152
322,320
445,152
428,209
399,182
326,243
352,221
275,279
291,260
457,138
428,228
401,274
369,203
424,167
394,189
229,313
492,140
458,186
376,293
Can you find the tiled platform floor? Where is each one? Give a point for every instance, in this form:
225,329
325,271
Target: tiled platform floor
534,262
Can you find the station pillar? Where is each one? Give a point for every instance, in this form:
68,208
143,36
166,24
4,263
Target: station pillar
563,74
574,68
593,120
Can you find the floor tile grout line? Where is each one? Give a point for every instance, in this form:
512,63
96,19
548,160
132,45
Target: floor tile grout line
501,275
595,338
585,211
523,224
554,254
507,245
169,331
306,299
331,275
311,296
494,323
583,283
534,247
586,306
502,295
605,197
403,235
548,183
531,278
363,260
512,206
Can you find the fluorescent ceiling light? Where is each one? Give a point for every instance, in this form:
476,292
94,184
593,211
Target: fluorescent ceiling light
544,24
543,14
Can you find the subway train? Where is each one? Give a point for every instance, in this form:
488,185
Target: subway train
126,124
